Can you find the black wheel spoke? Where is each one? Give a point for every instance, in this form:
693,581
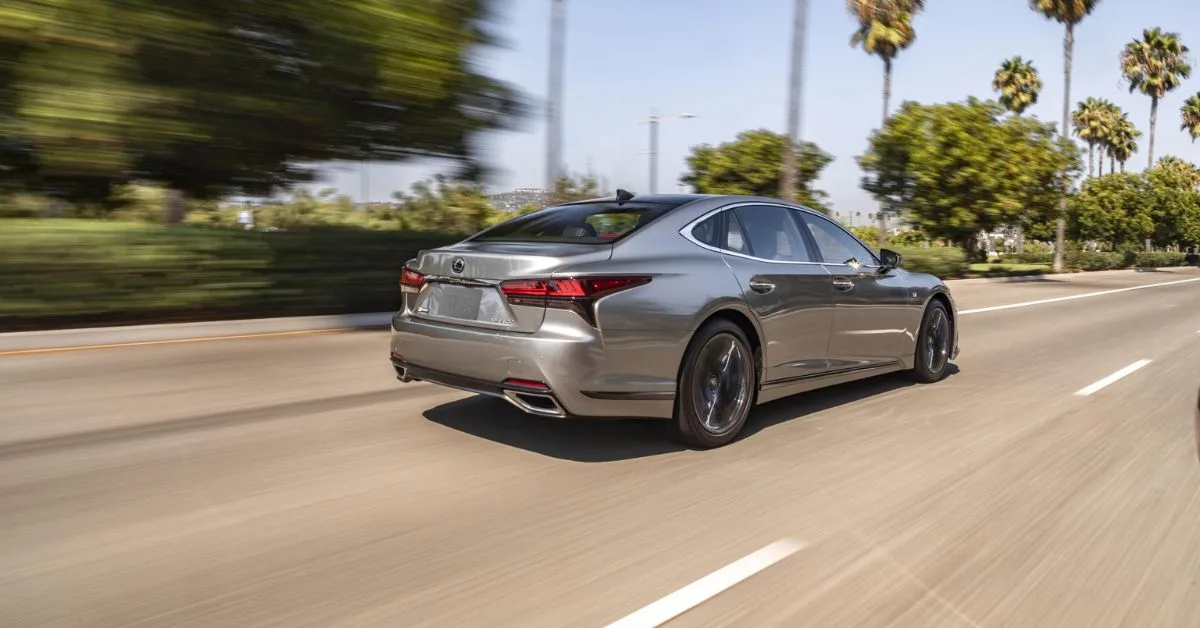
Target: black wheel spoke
722,382
938,337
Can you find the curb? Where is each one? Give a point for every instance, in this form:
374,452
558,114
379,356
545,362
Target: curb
92,336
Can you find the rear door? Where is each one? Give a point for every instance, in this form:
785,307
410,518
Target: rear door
462,282
783,284
874,311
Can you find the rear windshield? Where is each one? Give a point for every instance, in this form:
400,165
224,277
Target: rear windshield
583,223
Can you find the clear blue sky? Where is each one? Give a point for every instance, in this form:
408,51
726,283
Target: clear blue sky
727,62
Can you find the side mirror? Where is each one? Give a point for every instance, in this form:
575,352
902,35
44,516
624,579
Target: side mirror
889,260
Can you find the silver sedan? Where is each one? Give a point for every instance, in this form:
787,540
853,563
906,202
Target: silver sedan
687,308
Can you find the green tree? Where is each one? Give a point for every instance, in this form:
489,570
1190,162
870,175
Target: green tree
753,164
958,168
1180,171
1154,65
209,100
1175,202
1189,115
570,189
1018,84
1115,209
444,205
1069,13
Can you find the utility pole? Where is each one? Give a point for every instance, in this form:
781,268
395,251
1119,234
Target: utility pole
364,182
653,121
787,183
558,15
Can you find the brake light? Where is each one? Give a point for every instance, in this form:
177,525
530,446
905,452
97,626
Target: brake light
412,278
569,287
577,294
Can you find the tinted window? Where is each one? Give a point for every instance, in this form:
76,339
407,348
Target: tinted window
585,223
773,233
706,231
835,244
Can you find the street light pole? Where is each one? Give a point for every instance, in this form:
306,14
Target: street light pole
558,14
787,183
653,121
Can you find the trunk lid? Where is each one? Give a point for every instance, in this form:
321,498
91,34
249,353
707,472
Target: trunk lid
462,282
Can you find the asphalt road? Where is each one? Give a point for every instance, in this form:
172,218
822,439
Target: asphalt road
293,482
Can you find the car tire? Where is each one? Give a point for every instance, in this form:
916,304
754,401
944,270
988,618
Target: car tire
715,393
935,344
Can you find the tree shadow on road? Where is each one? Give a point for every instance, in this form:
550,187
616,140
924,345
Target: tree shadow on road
626,439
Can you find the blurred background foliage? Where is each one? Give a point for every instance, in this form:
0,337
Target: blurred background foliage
213,98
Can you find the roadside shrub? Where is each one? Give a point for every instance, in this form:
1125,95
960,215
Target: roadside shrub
1094,260
1159,259
1031,257
946,262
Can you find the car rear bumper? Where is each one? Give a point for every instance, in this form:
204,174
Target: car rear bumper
586,373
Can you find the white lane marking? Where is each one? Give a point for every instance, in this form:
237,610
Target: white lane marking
691,596
1083,392
1072,297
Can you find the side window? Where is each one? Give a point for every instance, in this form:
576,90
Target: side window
837,246
706,231
773,233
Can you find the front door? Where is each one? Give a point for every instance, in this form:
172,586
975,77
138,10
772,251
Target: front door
871,325
785,286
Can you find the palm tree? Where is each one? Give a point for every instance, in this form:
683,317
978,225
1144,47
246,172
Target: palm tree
1123,142
884,29
1088,123
1069,13
1154,65
1190,115
1109,115
1018,83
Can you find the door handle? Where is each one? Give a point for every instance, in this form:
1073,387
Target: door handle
843,284
761,287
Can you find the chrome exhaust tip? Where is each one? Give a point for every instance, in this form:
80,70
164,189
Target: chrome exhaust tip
535,403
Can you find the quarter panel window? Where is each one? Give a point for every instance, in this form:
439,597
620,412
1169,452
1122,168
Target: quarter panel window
707,231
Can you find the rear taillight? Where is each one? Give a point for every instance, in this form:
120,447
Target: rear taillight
569,287
411,278
571,293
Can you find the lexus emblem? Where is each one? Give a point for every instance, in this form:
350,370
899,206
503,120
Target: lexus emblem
458,265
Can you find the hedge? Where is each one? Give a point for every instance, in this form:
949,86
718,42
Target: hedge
64,273
1094,260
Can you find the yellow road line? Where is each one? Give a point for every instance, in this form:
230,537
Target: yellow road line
145,343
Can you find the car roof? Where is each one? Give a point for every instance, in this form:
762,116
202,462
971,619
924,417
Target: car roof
680,200
670,199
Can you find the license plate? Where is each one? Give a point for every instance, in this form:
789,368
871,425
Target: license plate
456,302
